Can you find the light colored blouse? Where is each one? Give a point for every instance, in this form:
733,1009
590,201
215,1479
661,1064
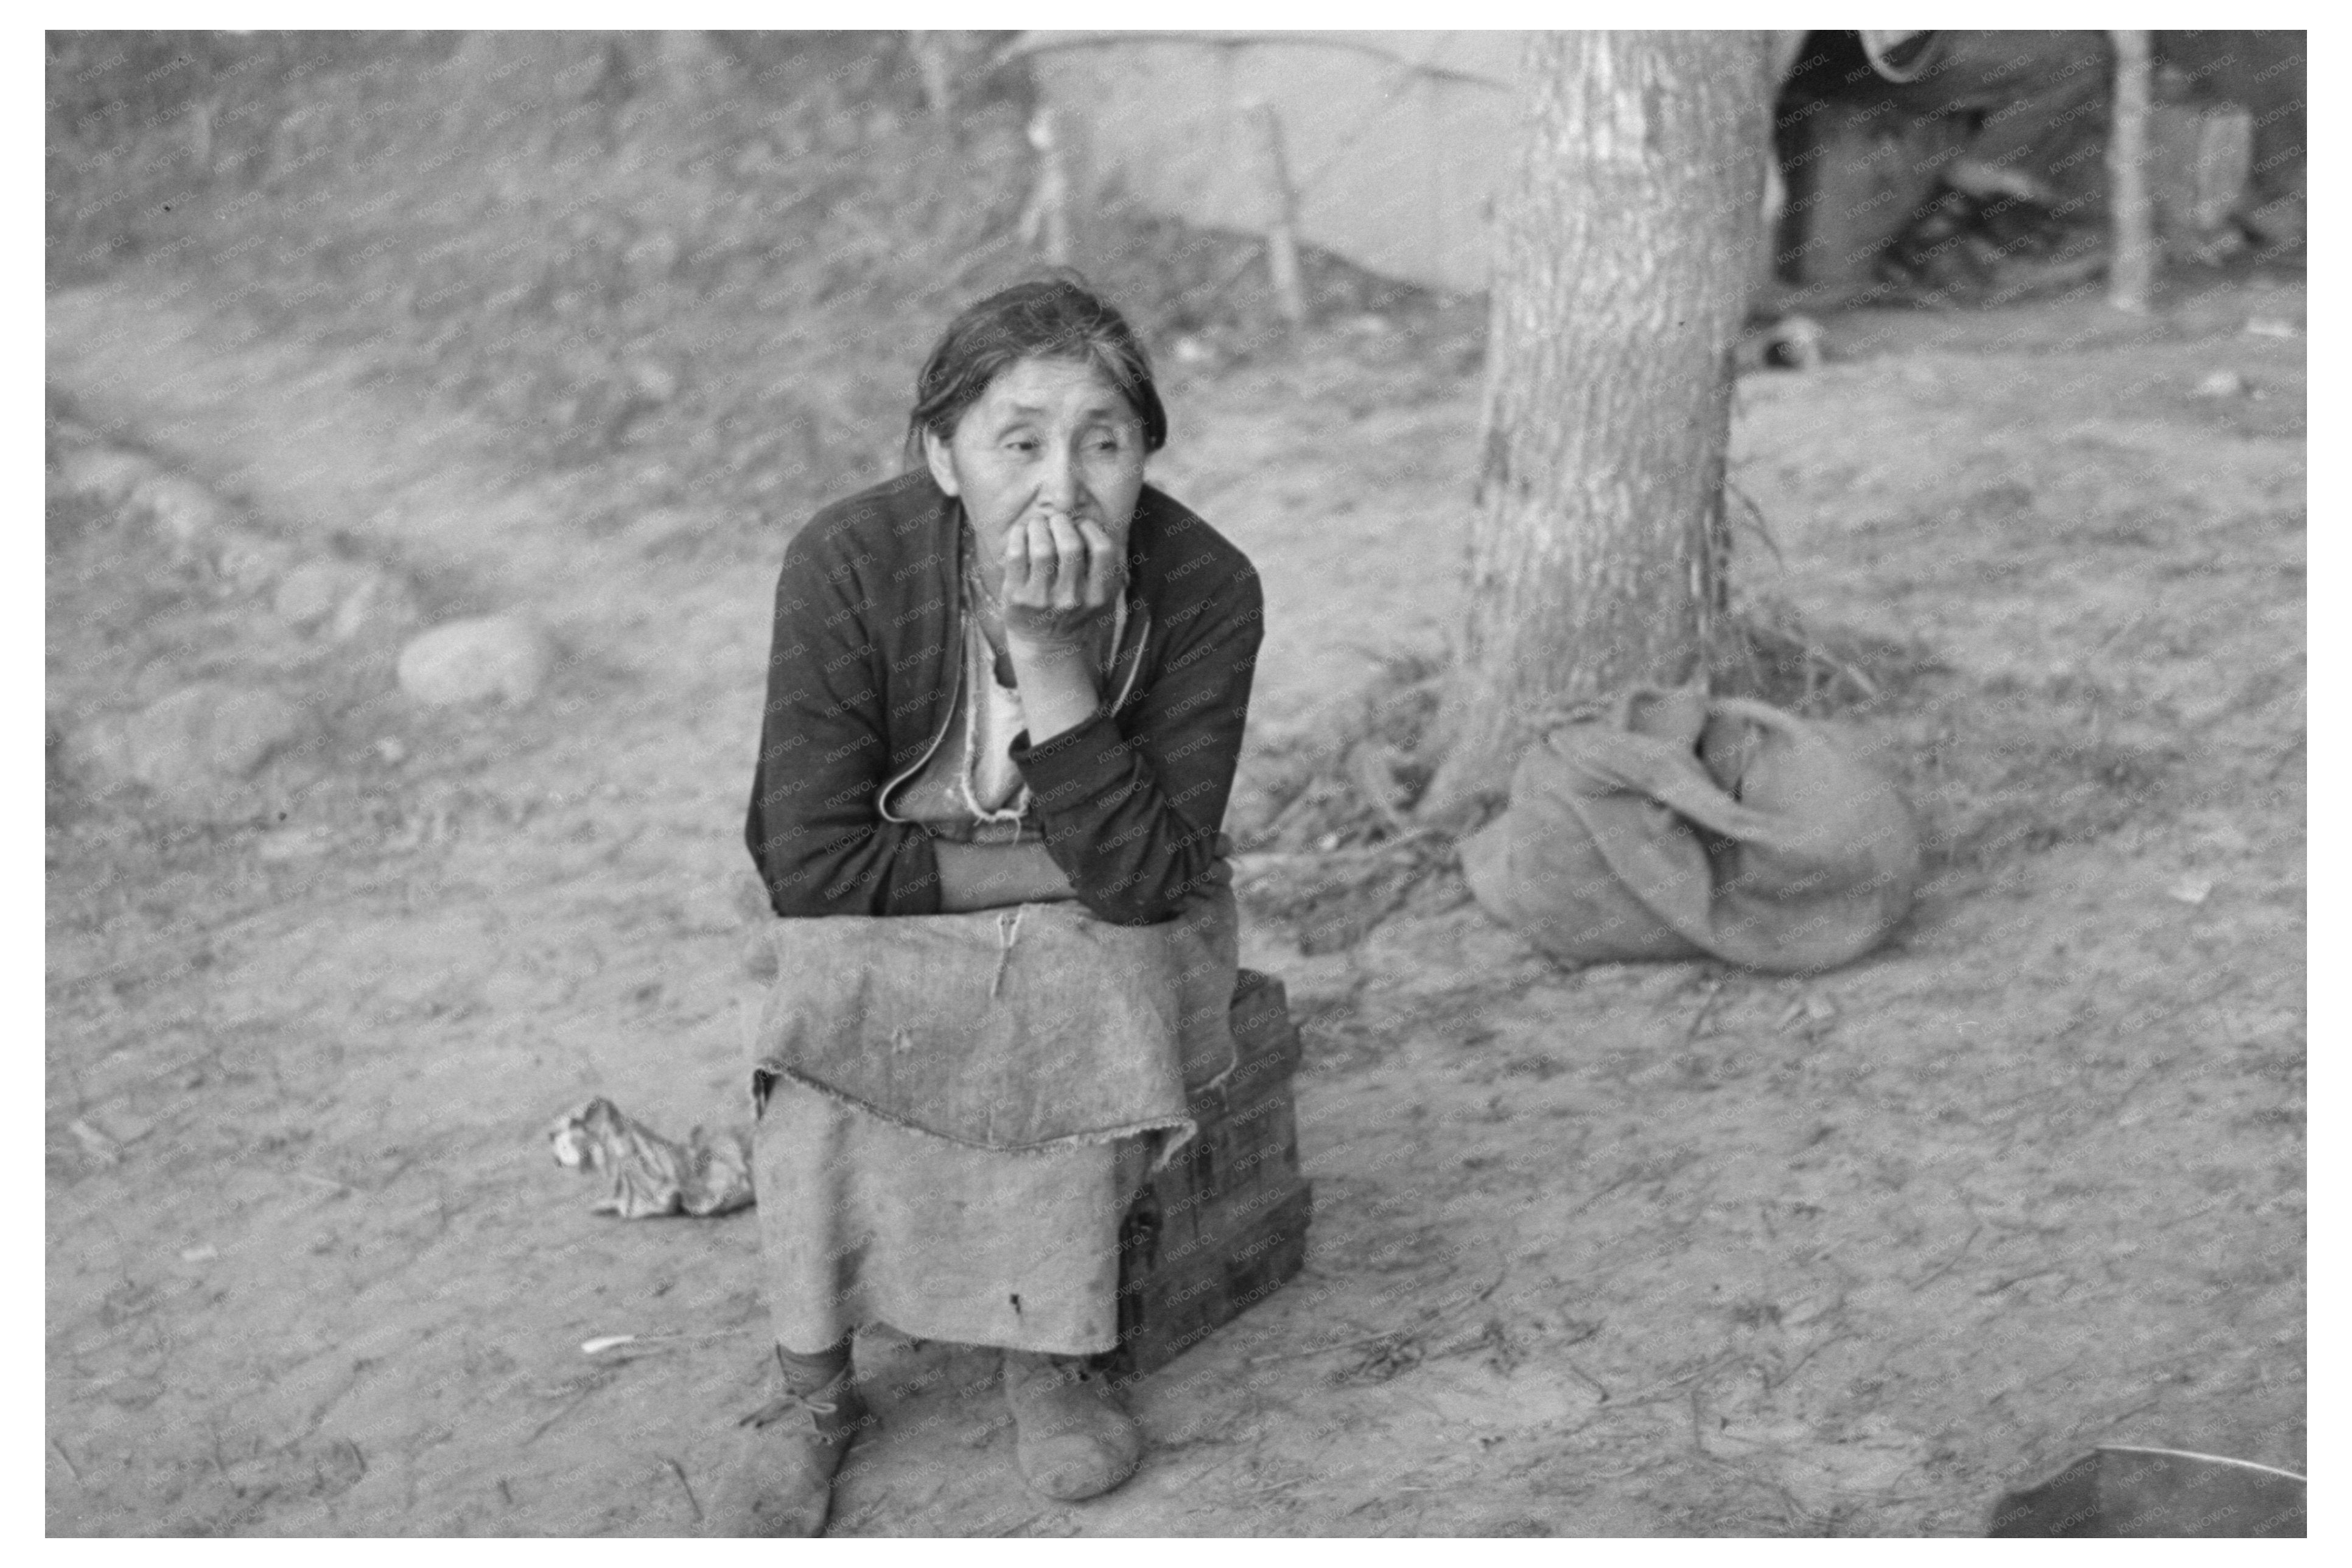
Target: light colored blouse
970,787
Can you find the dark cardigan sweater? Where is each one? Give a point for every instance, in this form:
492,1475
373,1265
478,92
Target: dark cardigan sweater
864,677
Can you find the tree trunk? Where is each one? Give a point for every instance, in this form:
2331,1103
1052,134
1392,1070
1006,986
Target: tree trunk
1624,251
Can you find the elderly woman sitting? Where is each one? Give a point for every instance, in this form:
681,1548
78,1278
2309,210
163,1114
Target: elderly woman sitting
1004,705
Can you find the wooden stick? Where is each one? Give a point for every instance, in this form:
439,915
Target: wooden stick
931,52
684,1485
1585,1378
569,1405
1282,225
1704,1370
1049,210
1945,1267
1368,768
1030,45
2132,243
1706,1005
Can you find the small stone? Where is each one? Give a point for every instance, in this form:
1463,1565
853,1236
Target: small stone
184,511
1794,343
309,592
2191,890
391,751
2222,384
96,1146
215,728
251,562
377,600
348,596
210,733
124,1125
473,660
110,474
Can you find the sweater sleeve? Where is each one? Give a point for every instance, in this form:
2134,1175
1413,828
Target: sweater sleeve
813,828
1132,804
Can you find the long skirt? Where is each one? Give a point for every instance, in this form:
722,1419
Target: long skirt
956,1109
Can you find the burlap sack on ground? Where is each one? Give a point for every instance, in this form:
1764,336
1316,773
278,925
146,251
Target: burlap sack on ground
1680,827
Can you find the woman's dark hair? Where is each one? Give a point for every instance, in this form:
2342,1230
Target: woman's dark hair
1054,318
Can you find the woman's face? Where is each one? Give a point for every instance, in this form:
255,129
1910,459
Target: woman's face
1048,436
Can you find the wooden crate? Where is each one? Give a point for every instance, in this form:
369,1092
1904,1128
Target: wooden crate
1166,1309
1225,1225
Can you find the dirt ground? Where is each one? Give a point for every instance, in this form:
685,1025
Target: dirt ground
1635,1251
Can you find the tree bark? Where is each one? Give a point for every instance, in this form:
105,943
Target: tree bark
1625,246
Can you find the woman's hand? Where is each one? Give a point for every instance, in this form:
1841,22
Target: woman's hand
1060,575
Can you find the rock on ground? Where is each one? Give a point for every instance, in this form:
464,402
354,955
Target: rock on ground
184,511
309,593
210,733
343,598
378,600
251,562
110,474
473,660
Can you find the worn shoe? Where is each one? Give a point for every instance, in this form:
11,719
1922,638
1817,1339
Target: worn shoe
791,1448
1070,1436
